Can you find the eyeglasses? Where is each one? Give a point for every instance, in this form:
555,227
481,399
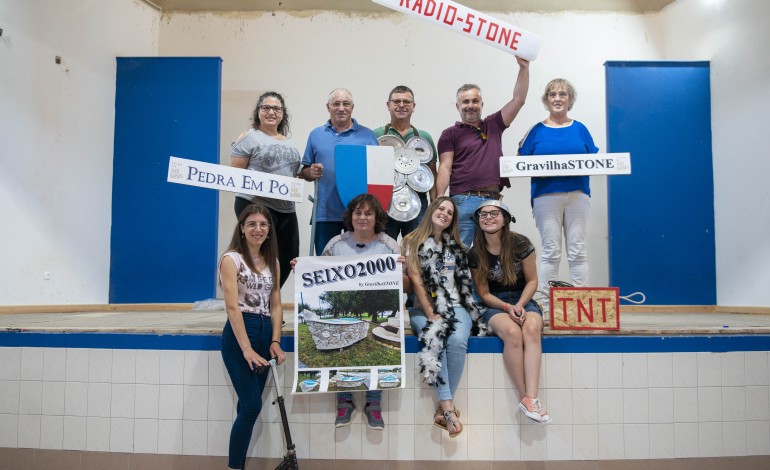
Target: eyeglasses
266,109
344,104
491,214
402,102
252,225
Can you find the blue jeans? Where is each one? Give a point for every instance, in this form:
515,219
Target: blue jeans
466,206
371,395
248,384
510,297
453,359
325,231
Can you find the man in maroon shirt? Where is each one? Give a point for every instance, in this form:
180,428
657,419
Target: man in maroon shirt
470,151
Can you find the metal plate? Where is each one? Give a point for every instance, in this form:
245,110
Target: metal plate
405,205
422,148
407,161
391,140
399,181
421,180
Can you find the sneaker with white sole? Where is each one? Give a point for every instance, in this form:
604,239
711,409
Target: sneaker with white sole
345,411
535,411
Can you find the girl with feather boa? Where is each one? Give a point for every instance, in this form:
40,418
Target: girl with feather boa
444,311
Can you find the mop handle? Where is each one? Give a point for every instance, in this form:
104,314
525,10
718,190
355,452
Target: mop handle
282,409
275,375
314,200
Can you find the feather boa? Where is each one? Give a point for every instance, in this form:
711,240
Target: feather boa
435,334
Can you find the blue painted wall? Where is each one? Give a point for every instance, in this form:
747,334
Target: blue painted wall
164,235
661,217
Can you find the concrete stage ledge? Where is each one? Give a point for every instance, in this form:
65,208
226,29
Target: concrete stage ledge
144,386
177,326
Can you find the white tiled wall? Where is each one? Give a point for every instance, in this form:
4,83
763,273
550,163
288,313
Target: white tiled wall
604,406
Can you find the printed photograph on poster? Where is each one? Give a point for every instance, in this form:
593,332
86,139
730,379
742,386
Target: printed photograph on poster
389,378
350,380
309,381
349,323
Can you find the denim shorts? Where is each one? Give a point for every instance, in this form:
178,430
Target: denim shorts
510,298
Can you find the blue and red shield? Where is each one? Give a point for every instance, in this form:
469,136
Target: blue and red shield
364,169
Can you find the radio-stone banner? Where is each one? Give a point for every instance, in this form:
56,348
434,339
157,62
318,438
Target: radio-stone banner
234,180
566,165
472,24
348,324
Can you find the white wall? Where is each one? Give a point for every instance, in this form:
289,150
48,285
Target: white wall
306,56
56,142
734,36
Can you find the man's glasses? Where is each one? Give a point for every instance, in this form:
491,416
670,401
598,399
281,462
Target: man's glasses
402,102
344,104
491,214
266,109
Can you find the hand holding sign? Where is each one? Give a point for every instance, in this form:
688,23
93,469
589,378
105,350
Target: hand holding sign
236,180
566,165
471,23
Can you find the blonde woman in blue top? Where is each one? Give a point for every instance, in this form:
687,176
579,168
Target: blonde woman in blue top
560,204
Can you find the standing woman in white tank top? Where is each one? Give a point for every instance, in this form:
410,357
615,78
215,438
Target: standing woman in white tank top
249,275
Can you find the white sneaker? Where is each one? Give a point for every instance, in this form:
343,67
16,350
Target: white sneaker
535,412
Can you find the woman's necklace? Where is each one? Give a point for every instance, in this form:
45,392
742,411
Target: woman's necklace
362,240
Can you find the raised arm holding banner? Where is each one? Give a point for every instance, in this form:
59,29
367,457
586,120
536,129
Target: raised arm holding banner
472,24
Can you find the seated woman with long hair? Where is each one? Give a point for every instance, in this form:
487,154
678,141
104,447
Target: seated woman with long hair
444,311
249,274
505,273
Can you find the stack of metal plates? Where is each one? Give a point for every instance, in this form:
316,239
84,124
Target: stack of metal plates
412,175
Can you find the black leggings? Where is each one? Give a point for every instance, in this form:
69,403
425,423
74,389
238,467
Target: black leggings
287,231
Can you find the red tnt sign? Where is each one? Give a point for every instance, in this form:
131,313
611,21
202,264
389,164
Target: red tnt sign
585,308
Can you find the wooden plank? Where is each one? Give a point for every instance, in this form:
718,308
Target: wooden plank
288,308
76,308
667,308
693,309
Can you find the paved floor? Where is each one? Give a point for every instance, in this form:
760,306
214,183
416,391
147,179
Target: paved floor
203,322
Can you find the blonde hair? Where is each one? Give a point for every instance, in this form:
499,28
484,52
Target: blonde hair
410,244
560,83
